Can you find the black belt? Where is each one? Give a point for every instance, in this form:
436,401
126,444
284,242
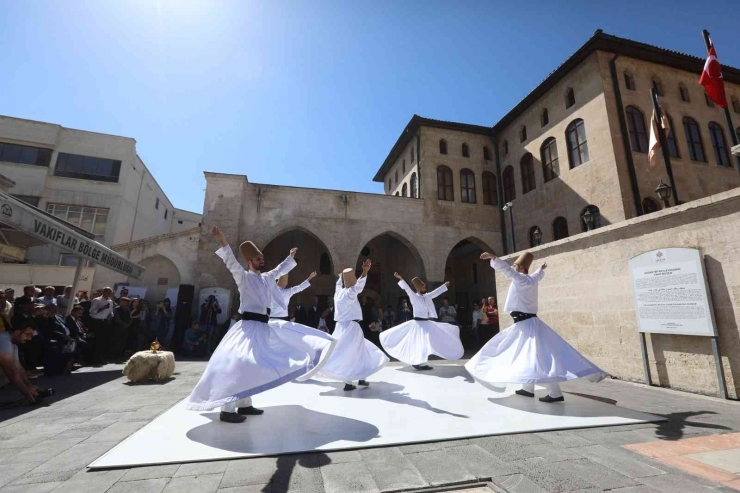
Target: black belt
287,319
418,319
521,317
259,317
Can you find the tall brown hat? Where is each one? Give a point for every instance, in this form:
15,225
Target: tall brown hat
525,260
249,250
283,281
418,283
348,277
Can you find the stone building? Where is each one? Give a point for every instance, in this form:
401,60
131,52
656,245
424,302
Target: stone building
92,180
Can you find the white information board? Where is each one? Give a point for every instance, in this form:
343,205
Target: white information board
671,293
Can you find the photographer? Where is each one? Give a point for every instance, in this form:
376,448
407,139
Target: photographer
162,319
208,314
11,371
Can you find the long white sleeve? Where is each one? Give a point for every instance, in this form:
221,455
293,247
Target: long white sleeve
283,268
232,264
301,287
403,285
508,271
359,285
437,292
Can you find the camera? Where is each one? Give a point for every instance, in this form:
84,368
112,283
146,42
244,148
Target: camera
45,393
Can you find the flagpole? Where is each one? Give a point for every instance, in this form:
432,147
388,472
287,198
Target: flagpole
663,146
728,118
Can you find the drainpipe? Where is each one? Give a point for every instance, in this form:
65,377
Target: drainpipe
625,135
500,194
418,164
138,198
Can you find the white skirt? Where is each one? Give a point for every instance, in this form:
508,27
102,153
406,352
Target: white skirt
412,342
254,357
530,352
354,357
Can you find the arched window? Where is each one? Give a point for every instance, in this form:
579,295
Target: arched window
444,184
489,189
324,264
443,146
637,130
505,147
465,150
693,139
549,157
559,228
709,101
649,205
527,168
629,80
412,154
509,189
467,186
544,117
735,104
684,92
577,145
595,218
486,154
535,237
523,133
414,191
404,190
658,86
570,97
717,134
670,135
403,167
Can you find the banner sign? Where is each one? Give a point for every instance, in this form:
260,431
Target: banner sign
33,222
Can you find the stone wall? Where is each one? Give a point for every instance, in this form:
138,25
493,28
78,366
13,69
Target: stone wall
586,295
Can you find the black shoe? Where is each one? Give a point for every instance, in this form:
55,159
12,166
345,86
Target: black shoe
249,411
418,367
427,367
524,393
547,398
231,417
364,383
348,387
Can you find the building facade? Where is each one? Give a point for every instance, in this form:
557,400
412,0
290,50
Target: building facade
94,181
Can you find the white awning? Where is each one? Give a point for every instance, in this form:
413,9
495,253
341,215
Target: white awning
51,230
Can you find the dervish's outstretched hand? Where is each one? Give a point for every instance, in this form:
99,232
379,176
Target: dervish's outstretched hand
397,276
219,236
487,256
544,266
293,251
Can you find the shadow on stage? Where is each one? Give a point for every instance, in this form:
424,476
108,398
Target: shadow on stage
441,371
296,429
386,391
575,408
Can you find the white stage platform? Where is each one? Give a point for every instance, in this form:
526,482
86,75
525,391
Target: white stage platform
401,406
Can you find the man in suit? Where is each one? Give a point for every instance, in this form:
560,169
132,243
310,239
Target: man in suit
300,313
314,314
78,332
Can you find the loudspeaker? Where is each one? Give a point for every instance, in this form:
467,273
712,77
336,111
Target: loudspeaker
185,301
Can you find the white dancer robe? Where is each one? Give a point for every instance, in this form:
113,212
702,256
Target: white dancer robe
413,341
528,352
354,357
299,335
252,358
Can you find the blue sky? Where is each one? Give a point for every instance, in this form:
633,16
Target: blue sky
303,93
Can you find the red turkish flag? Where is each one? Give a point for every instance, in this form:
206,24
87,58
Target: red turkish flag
711,79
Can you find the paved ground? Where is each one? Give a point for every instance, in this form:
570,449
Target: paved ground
47,448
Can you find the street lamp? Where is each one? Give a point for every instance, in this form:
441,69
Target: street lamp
588,218
537,236
664,192
508,206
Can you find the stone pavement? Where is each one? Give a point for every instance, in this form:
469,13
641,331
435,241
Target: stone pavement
48,448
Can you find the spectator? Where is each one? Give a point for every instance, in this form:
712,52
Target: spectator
60,347
327,322
389,318
48,297
124,294
208,319
404,313
447,313
10,296
301,317
79,333
11,371
63,300
32,353
162,319
29,292
194,341
101,312
474,319
492,315
134,332
147,331
314,314
6,313
121,326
